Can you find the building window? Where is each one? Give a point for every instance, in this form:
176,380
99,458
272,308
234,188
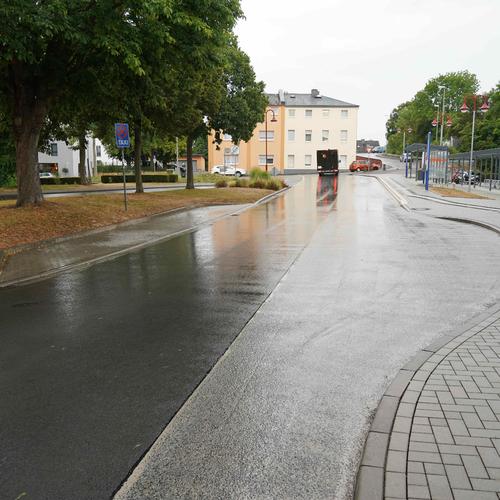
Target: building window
232,156
98,151
325,135
262,135
227,137
53,149
262,159
291,135
291,161
309,113
308,135
308,160
291,113
343,136
326,113
344,113
343,160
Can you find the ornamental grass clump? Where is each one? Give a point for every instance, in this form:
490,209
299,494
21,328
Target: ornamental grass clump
274,184
240,183
258,184
259,174
221,183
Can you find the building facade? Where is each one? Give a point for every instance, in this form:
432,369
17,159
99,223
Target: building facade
304,124
63,159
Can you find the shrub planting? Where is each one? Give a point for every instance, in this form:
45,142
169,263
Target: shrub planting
111,178
257,173
221,183
53,181
258,184
274,184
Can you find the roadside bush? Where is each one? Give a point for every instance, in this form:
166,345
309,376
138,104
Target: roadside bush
258,184
274,184
8,174
221,183
112,178
206,177
258,173
240,183
50,181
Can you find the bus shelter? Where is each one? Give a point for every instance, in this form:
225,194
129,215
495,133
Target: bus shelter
439,171
485,168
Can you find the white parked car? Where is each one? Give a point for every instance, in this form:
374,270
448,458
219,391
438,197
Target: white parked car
46,175
228,170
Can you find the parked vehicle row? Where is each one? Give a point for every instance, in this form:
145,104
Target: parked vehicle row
462,177
364,165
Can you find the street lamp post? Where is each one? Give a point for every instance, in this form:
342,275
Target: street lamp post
444,89
465,109
405,156
273,120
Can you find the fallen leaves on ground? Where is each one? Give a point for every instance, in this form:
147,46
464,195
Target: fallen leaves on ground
457,193
63,216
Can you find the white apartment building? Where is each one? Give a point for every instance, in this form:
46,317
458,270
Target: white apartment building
313,122
64,160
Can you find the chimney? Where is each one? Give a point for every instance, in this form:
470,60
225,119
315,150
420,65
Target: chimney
281,94
315,92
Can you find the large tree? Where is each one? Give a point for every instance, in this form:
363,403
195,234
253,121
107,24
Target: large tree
52,51
419,113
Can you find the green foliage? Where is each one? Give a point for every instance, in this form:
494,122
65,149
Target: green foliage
8,174
51,181
274,184
221,183
418,113
239,182
110,179
257,173
258,183
206,177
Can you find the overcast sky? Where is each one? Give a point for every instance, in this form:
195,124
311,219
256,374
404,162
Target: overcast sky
375,53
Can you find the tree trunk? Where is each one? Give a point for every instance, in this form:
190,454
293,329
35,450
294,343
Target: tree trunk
29,112
189,162
82,168
139,188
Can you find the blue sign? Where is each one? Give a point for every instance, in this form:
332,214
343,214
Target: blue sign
122,135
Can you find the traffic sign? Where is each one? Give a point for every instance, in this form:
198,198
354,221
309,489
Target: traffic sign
122,135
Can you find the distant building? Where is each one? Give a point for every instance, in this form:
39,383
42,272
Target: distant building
198,162
365,146
304,124
63,160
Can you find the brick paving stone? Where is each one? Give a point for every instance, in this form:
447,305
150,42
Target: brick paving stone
458,477
395,485
489,456
440,489
474,467
445,440
418,492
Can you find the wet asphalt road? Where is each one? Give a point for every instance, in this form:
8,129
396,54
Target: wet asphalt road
94,364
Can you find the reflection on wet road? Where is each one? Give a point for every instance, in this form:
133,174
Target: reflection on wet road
95,363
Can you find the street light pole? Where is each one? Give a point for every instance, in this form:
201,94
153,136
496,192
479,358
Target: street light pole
465,109
442,114
273,120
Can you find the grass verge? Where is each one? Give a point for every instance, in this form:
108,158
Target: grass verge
457,193
64,216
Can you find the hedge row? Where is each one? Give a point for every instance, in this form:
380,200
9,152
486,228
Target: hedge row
60,180
108,179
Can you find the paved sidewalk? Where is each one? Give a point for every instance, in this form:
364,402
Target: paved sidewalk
46,258
436,434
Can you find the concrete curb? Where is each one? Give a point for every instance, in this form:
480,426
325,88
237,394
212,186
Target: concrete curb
491,227
370,480
82,265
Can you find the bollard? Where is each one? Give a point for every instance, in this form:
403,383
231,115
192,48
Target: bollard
383,166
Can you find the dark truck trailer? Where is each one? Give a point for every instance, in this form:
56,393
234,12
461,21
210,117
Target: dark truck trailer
327,161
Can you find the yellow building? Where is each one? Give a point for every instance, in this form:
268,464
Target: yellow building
304,124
